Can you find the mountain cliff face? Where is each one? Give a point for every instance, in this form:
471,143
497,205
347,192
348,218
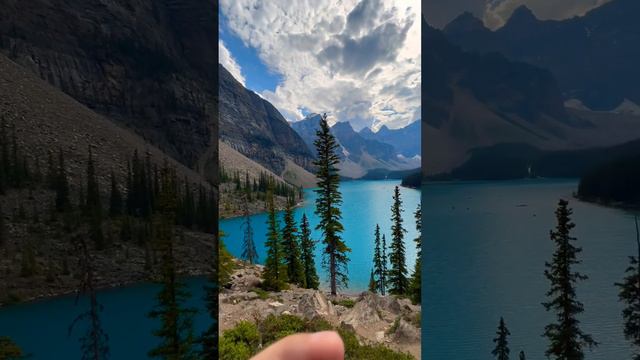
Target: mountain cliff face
255,128
594,57
148,65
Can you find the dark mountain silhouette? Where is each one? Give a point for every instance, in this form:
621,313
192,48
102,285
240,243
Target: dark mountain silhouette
594,57
478,100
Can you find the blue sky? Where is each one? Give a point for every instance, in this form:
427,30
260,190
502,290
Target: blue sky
257,76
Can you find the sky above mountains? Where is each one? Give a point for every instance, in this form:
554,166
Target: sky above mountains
359,61
495,13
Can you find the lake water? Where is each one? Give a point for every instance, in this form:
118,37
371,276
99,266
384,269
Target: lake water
485,247
365,204
41,327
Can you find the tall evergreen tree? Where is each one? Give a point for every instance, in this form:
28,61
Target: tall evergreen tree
176,330
566,339
415,285
93,203
94,342
328,206
291,247
4,156
115,200
209,338
630,295
398,281
62,185
501,350
275,270
522,356
378,263
249,251
385,271
308,246
9,350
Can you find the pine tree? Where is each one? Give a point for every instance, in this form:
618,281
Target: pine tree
3,228
566,340
373,284
522,356
115,201
630,295
501,351
9,350
249,251
93,205
15,167
399,284
308,246
385,271
176,331
415,285
221,264
4,157
275,270
328,206
62,186
94,343
291,247
52,172
378,263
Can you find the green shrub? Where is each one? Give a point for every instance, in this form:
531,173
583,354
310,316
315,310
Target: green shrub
240,342
262,294
348,303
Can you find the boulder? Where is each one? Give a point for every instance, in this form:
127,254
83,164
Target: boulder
405,332
315,304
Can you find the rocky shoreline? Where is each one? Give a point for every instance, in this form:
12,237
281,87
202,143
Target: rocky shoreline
387,320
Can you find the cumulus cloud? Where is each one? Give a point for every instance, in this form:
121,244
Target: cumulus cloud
357,60
226,59
497,12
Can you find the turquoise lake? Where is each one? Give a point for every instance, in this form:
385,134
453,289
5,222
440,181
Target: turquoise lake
365,204
41,327
485,247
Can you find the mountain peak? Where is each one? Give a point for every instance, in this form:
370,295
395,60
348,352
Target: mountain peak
465,22
522,15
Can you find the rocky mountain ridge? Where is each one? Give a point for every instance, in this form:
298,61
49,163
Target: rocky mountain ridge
255,128
358,153
479,100
146,65
594,57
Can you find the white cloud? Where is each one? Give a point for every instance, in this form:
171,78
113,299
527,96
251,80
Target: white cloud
357,60
229,63
497,12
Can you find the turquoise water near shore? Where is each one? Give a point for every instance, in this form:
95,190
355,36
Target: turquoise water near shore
485,246
41,328
365,204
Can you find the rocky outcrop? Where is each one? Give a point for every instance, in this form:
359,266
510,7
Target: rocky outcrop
374,318
145,64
